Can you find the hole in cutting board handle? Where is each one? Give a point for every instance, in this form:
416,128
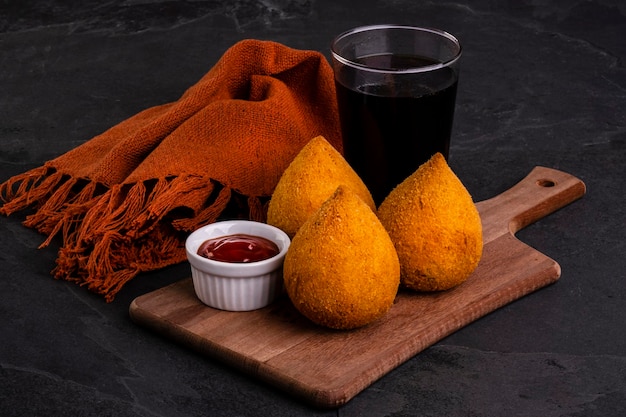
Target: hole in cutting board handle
546,183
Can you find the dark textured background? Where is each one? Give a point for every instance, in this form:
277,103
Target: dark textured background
543,83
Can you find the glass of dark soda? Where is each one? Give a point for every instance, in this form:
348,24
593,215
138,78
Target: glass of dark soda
396,89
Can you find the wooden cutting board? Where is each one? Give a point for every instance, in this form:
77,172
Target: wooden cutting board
327,368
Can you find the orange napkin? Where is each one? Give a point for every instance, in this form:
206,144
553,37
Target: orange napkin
124,201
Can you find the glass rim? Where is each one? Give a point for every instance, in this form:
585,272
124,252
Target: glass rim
426,68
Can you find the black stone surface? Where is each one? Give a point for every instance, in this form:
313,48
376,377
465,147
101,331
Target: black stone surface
543,83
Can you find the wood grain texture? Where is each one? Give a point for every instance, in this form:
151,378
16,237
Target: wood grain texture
327,368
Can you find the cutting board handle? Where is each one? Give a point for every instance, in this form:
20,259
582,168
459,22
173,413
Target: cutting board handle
541,192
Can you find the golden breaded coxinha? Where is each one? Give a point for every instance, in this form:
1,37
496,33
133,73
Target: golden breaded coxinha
341,270
435,227
312,177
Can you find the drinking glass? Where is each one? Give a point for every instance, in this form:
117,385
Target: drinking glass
396,89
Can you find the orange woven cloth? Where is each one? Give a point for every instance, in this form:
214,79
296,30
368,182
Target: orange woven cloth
125,201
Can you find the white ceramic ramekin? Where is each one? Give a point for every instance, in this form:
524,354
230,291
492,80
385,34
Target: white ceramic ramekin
237,286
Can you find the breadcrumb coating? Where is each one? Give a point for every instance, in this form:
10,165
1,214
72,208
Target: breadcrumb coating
341,270
435,227
309,180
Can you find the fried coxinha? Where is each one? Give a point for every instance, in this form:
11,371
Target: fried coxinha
435,227
309,180
341,270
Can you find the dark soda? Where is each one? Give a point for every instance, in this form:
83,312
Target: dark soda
390,130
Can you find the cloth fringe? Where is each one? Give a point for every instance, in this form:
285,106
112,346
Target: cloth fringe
109,235
24,189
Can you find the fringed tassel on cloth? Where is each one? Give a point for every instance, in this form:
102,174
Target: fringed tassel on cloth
26,189
111,235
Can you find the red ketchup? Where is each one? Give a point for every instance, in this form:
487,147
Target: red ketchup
238,248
